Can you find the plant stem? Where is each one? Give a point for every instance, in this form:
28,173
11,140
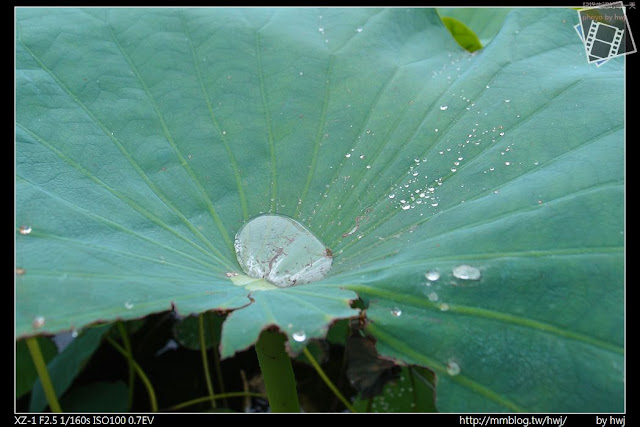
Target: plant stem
217,396
141,374
327,381
277,372
43,373
216,357
205,362
127,347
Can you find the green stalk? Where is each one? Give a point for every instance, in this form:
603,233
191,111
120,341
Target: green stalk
205,362
43,373
277,372
327,381
216,359
127,347
217,396
143,377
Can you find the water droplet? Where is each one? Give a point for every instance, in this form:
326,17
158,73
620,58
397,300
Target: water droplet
347,155
433,296
301,73
24,229
224,132
444,306
391,196
443,107
507,100
281,251
20,271
466,272
299,336
128,305
432,275
507,163
231,274
453,368
359,29
74,333
396,312
405,207
38,322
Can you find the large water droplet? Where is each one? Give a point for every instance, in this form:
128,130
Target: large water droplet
299,336
466,272
282,251
24,229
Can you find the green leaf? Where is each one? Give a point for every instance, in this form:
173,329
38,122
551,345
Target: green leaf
414,391
96,397
67,365
483,22
146,138
462,34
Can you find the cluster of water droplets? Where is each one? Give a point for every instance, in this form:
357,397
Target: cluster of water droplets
462,272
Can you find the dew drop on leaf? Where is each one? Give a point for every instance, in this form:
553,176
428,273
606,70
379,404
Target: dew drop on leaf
396,312
299,336
453,368
24,229
432,275
38,322
466,272
281,251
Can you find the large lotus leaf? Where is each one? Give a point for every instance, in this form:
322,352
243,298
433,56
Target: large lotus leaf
146,138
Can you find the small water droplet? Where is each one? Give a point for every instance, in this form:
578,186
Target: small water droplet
38,322
231,274
466,272
359,29
453,368
74,333
24,229
347,155
507,100
224,132
396,312
301,73
392,196
507,163
443,107
433,296
20,271
444,306
405,207
299,336
128,305
432,275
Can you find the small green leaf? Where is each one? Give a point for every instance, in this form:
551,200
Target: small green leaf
463,34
